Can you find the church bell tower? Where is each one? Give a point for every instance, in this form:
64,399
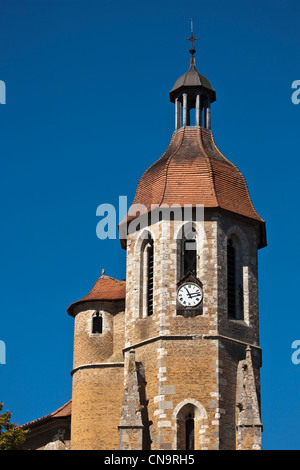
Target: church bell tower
173,362
191,323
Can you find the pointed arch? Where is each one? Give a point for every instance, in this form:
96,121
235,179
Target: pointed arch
190,419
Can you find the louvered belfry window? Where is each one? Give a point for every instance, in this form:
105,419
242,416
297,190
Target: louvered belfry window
231,279
150,261
235,290
189,257
189,253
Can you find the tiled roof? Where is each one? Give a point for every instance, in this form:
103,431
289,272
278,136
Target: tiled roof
62,412
194,171
105,288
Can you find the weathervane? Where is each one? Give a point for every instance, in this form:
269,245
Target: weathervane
192,39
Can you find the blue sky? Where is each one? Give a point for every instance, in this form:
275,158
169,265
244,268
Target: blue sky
87,111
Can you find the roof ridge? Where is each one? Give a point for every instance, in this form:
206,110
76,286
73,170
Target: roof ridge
168,164
108,277
211,174
61,408
153,165
49,415
160,158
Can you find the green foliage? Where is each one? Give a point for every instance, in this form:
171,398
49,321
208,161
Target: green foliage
11,436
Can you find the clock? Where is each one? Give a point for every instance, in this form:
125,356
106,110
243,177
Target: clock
189,295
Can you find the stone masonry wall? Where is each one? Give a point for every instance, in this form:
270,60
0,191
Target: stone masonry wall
183,365
208,363
96,407
98,376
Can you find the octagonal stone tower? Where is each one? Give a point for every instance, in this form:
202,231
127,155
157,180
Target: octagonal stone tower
190,354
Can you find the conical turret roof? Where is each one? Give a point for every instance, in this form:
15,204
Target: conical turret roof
105,288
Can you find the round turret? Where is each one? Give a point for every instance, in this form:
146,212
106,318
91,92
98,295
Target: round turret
98,366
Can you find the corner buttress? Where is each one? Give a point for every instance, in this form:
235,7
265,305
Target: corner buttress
248,421
131,425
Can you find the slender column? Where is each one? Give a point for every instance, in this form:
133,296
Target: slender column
177,114
185,110
198,108
180,113
208,119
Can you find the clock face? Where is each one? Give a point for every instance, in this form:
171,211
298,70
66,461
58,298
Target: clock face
189,295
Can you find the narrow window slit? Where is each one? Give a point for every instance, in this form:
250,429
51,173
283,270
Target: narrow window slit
97,323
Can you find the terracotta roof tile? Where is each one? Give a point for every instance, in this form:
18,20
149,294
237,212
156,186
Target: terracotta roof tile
194,171
62,412
105,288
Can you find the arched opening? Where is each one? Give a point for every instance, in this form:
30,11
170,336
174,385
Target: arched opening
192,109
191,424
192,117
203,117
205,112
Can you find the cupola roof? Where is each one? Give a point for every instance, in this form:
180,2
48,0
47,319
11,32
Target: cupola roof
194,171
192,79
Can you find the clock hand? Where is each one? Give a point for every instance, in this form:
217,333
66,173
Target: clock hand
188,292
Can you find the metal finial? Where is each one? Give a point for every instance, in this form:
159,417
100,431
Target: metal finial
192,39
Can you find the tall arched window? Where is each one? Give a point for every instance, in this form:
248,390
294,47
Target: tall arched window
191,425
147,257
150,269
235,293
